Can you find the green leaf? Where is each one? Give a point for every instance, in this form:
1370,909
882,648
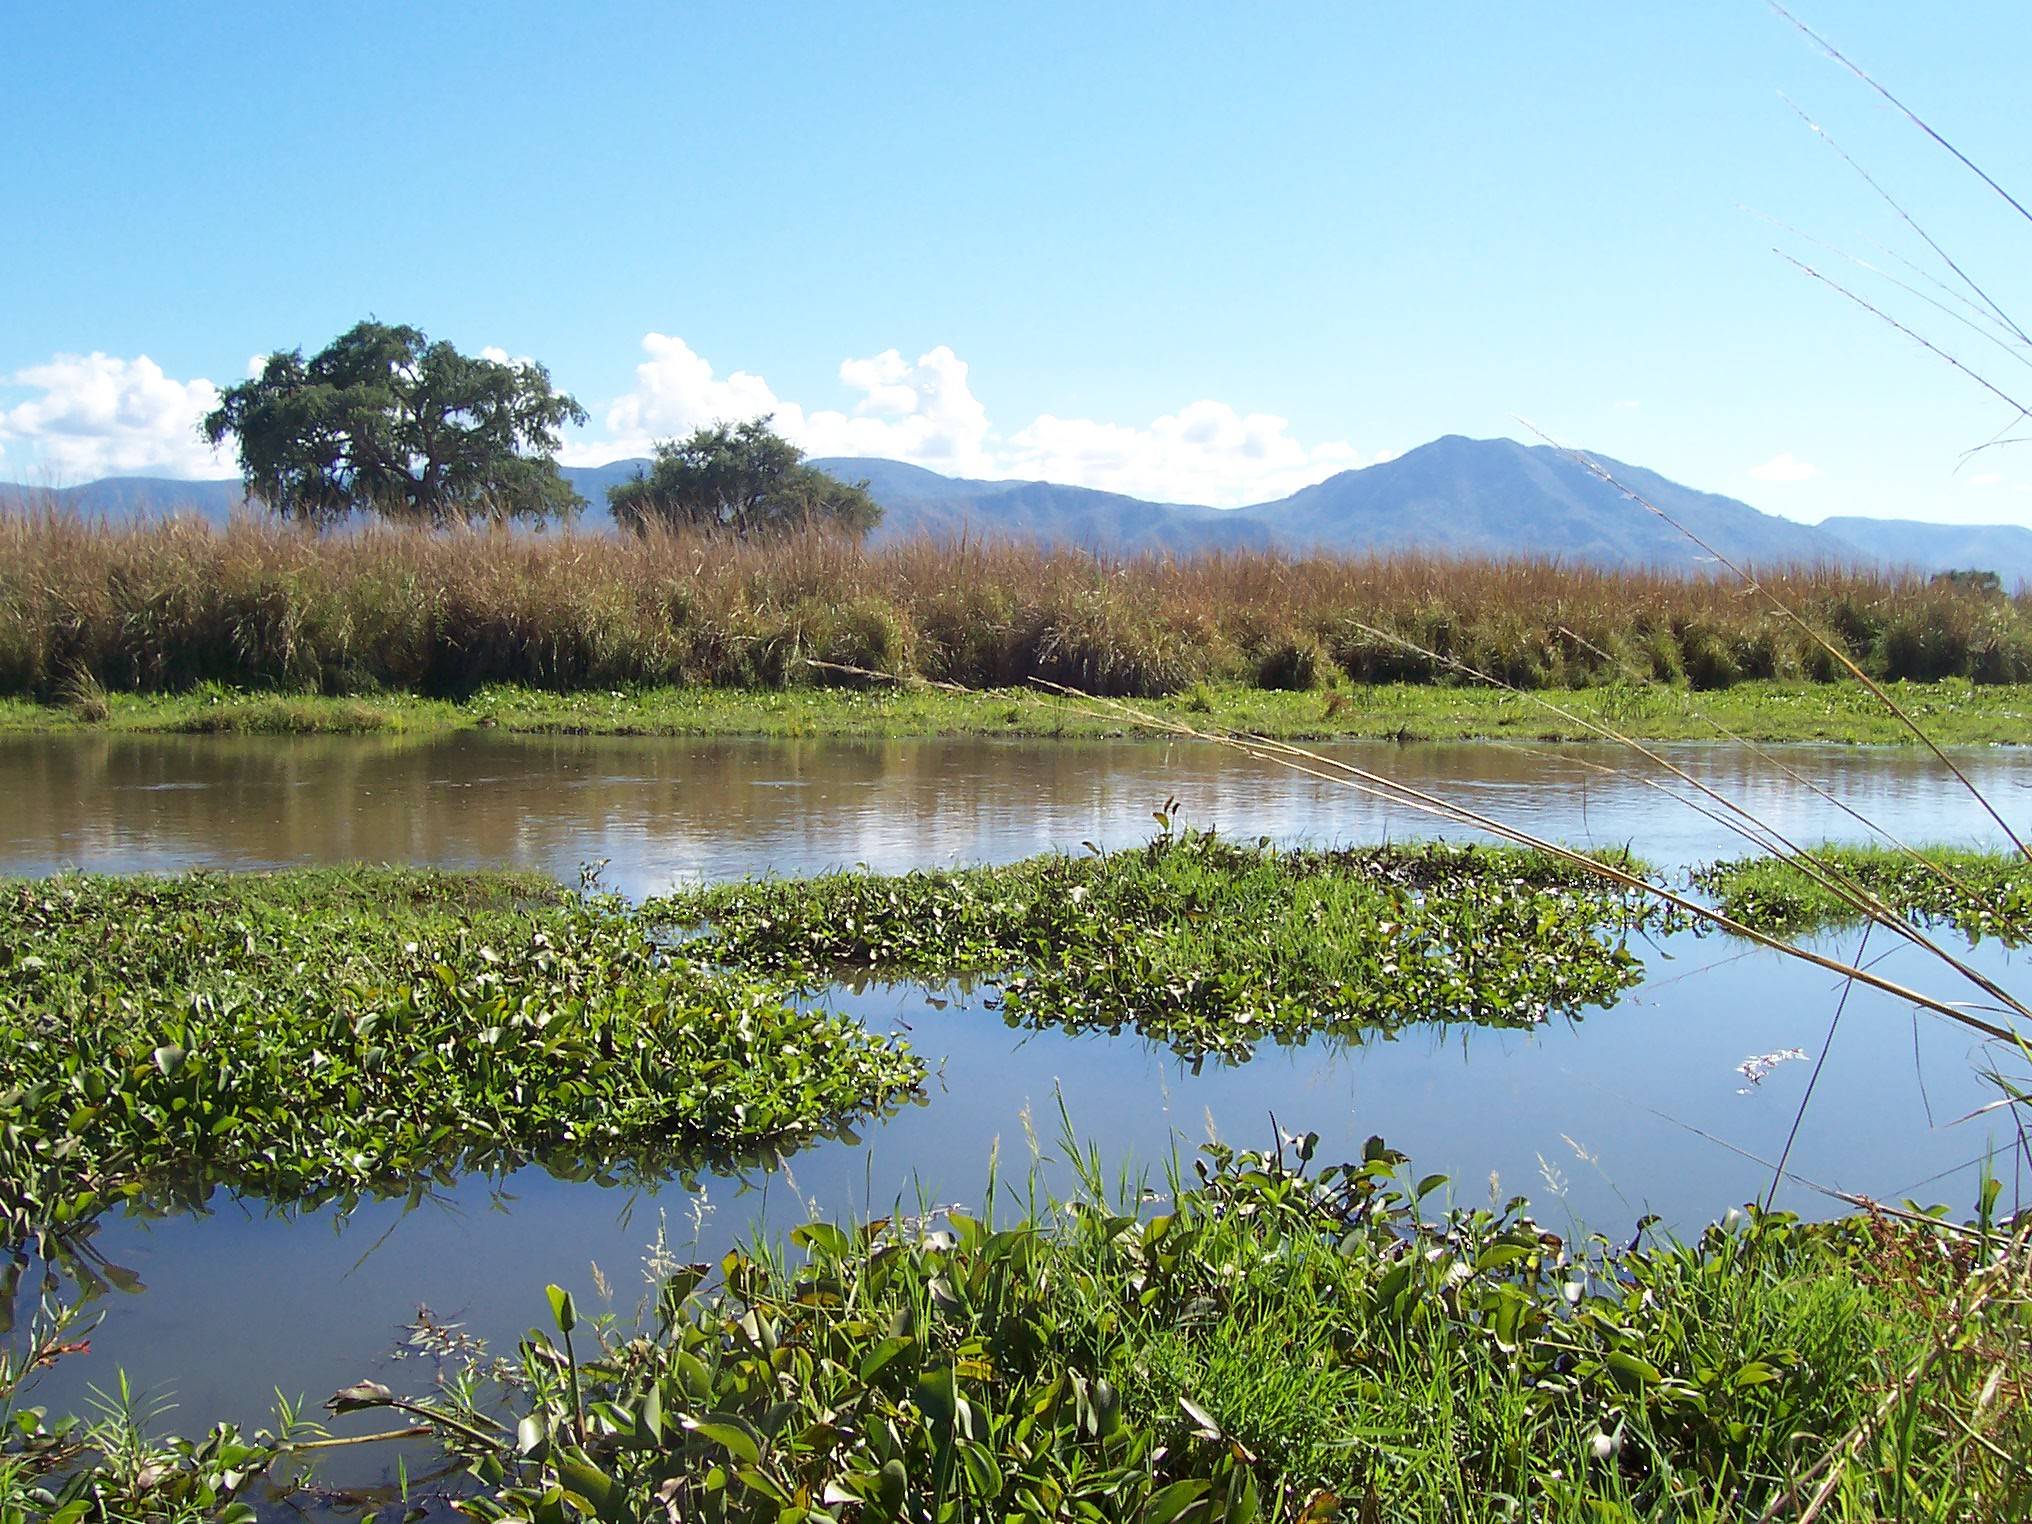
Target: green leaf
1167,1503
888,1350
730,1435
1205,1424
823,1238
562,1308
1642,1372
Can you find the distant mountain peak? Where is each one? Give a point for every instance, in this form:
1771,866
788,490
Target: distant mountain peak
1451,495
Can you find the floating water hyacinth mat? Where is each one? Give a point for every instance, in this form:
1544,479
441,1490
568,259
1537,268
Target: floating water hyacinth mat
300,1031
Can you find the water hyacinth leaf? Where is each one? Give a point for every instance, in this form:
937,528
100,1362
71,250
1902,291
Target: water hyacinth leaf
531,1434
679,1285
563,1311
1633,1370
650,1414
730,1434
883,1353
586,1480
892,1486
824,1237
1205,1425
1167,1503
937,1396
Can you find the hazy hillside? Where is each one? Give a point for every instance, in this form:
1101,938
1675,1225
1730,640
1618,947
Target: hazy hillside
1470,497
916,501
1495,497
2005,549
132,497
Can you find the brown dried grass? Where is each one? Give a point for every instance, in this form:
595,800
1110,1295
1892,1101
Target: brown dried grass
167,604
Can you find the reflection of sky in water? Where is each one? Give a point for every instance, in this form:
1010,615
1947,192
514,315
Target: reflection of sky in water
1594,1121
662,811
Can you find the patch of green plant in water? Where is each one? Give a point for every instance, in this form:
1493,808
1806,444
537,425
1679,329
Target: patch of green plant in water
1203,943
1273,1343
311,1033
1980,893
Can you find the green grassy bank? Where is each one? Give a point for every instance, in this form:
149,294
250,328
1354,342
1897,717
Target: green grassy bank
1953,712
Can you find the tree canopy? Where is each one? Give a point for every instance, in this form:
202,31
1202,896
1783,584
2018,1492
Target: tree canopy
382,420
743,478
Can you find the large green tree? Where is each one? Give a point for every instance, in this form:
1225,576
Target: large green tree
743,478
384,421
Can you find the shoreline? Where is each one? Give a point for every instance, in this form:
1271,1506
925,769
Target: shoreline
1953,712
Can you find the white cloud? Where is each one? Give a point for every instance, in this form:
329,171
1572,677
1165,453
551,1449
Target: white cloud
1628,405
1206,452
676,392
500,356
924,411
1986,479
99,415
1785,467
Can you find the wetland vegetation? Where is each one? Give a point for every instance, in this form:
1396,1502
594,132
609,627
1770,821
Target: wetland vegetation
1253,1339
1207,945
88,610
314,1032
1250,1337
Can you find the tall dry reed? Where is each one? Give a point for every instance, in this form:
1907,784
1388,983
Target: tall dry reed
168,604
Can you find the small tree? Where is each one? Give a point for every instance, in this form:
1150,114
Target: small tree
744,478
384,421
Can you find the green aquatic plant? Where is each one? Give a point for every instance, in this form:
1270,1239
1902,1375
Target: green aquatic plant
1203,943
311,1033
1979,893
1264,1340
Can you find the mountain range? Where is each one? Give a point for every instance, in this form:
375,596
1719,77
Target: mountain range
1454,496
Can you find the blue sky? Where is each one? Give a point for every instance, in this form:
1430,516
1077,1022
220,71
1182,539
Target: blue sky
1198,252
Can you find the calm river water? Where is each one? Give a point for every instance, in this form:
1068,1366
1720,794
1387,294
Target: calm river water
1640,1107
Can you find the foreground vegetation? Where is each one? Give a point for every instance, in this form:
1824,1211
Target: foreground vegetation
1204,944
1953,712
1253,1340
1263,1342
315,1033
86,609
311,1034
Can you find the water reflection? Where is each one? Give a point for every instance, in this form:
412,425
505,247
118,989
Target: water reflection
665,811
